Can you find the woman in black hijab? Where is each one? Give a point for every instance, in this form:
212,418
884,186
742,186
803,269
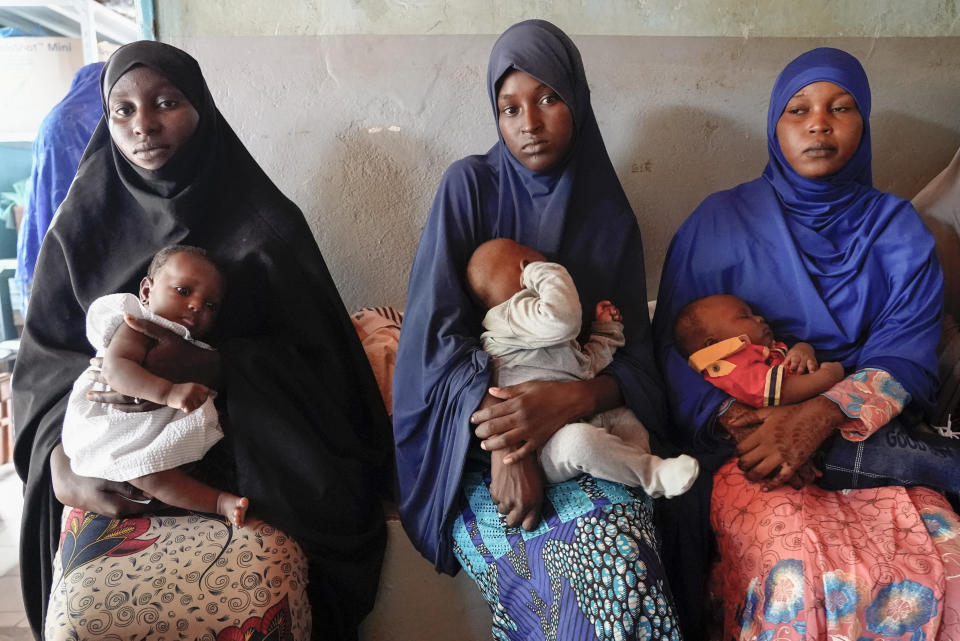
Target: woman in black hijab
306,433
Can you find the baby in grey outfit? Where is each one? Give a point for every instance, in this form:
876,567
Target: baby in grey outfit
532,323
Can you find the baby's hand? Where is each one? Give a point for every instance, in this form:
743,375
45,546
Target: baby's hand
187,396
800,359
607,311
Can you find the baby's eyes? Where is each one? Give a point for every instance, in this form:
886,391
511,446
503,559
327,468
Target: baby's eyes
183,291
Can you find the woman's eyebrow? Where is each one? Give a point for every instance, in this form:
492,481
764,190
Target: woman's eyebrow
505,96
842,92
168,88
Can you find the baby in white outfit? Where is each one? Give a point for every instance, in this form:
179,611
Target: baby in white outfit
532,323
182,293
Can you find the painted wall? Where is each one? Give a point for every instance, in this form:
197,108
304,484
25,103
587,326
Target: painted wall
355,107
736,18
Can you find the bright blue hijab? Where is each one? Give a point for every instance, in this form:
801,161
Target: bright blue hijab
832,261
577,215
63,135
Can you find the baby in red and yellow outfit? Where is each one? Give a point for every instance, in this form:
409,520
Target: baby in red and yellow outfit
736,351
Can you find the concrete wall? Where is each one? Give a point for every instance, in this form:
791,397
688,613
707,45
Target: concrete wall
355,107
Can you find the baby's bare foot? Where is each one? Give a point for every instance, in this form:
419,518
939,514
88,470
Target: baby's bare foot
233,508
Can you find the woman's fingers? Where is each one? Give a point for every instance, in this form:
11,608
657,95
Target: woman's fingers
489,412
749,442
500,441
520,515
109,396
141,406
766,467
531,520
121,402
781,475
493,426
805,475
116,506
756,459
124,490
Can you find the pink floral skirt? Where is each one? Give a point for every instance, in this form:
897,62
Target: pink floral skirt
846,566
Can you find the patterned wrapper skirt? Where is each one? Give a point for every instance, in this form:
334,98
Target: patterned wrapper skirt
176,575
591,570
878,563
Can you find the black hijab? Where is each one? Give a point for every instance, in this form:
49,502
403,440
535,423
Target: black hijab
306,430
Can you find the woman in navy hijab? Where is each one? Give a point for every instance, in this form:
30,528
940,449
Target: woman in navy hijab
826,259
576,560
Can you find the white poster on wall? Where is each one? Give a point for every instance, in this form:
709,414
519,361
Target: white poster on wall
35,74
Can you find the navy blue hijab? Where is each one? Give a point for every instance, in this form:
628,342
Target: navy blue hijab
576,214
832,261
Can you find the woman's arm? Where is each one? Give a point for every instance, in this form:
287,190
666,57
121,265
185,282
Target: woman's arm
177,359
124,373
531,412
91,494
516,490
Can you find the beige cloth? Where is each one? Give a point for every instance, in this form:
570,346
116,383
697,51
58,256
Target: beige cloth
379,332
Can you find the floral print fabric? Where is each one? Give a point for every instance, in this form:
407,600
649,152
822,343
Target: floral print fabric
881,563
870,397
176,575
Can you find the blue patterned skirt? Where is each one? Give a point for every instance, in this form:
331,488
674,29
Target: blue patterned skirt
591,570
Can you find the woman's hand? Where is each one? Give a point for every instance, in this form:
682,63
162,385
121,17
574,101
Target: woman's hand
109,498
741,420
517,489
175,358
788,435
531,412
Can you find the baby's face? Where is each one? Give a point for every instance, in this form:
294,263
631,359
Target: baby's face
727,316
188,290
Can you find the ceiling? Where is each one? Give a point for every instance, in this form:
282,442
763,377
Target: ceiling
114,20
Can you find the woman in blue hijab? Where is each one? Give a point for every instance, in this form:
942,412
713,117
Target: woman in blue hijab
57,149
585,564
829,260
